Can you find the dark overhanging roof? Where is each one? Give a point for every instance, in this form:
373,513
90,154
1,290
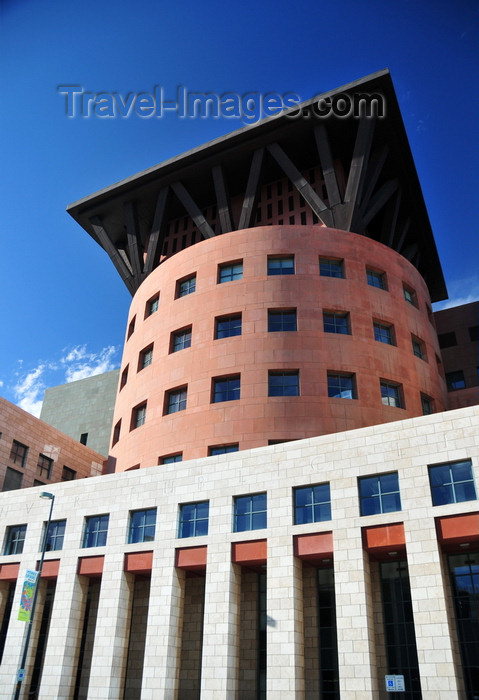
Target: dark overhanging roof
381,197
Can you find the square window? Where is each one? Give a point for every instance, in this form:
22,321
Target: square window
376,279
186,286
180,340
336,323
226,389
379,494
44,467
418,347
281,320
142,526
152,305
391,394
15,539
447,340
384,333
124,377
138,416
329,267
146,358
18,453
131,327
116,433
55,535
455,380
250,512
229,272
452,482
473,333
228,326
68,474
223,449
427,405
13,480
283,265
410,295
312,504
194,519
96,530
283,383
341,386
171,459
176,400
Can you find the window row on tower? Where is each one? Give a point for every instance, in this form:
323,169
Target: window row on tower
277,265
281,383
278,320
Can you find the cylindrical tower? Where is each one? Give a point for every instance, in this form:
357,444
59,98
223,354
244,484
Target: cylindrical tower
269,334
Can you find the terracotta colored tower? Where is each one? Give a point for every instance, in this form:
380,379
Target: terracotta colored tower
282,279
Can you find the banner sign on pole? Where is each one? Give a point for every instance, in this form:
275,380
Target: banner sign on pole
28,591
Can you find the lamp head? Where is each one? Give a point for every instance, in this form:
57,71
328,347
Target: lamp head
45,494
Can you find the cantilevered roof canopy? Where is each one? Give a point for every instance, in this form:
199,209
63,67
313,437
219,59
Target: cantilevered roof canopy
379,195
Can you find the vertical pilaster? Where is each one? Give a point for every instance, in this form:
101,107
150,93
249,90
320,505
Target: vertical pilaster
110,649
64,636
355,617
285,634
433,636
163,633
220,657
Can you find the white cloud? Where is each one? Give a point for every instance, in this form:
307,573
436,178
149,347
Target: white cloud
29,389
84,364
74,364
462,291
75,354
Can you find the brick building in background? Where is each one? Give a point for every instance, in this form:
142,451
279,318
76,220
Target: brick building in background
291,510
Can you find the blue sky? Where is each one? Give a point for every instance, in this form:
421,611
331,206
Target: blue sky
63,305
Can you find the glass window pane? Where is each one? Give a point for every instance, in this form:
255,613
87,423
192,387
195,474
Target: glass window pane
389,482
391,502
303,515
442,495
243,505
303,496
465,492
439,475
369,486
259,521
370,506
462,471
322,512
242,523
259,501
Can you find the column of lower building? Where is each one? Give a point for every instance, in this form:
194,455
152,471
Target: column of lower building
110,649
220,655
61,654
433,635
284,608
163,634
355,621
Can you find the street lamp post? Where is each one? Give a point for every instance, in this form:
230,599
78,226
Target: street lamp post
21,670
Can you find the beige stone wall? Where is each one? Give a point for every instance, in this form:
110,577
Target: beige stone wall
407,447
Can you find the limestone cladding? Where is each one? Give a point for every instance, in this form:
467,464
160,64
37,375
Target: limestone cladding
407,447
